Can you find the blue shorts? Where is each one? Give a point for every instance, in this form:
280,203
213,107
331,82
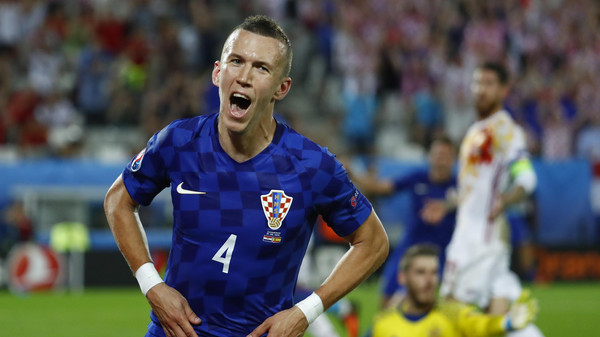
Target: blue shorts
519,229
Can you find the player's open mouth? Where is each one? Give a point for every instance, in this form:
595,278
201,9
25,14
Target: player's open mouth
238,104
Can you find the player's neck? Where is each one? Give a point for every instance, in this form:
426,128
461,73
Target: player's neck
439,175
244,146
411,307
486,114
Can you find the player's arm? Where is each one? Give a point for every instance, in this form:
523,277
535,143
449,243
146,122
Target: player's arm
368,249
524,183
473,323
369,246
168,304
434,210
370,184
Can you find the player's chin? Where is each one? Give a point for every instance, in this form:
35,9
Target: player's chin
427,298
484,107
236,123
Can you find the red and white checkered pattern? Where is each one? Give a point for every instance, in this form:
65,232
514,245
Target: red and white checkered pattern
284,207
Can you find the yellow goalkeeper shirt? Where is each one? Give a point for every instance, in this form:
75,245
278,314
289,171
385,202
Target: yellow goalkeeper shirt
447,319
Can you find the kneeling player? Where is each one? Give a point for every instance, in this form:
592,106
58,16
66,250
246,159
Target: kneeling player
421,314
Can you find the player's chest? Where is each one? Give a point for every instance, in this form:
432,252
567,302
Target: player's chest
424,191
246,199
479,146
231,185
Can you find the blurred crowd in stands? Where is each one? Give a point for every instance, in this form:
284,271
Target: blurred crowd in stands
376,76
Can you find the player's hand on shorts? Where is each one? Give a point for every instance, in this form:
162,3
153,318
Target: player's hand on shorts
497,209
173,311
286,323
434,211
522,312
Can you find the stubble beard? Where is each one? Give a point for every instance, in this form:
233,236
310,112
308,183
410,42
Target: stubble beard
485,110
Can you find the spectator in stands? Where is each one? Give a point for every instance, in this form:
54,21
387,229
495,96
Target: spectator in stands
588,142
93,82
15,226
47,42
21,124
56,111
559,129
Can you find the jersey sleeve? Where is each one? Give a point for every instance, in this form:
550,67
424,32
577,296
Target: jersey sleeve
146,174
470,321
516,156
404,182
339,202
511,140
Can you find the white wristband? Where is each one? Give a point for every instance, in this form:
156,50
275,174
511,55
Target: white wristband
147,277
311,307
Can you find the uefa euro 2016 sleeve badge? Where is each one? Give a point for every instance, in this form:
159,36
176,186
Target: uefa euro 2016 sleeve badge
276,206
137,162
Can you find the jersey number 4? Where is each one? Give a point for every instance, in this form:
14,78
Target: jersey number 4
223,255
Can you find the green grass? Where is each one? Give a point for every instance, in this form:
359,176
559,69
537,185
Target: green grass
569,309
95,313
566,309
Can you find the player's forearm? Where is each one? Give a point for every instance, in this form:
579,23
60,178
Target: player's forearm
369,248
515,195
377,187
369,184
479,325
121,215
471,322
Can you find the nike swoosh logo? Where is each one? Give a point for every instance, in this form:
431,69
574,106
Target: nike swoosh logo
182,190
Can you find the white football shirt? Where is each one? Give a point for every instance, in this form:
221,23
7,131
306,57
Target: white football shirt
488,149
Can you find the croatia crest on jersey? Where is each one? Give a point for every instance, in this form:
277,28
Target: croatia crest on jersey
276,206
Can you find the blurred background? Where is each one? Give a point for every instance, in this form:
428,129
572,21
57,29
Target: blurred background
84,84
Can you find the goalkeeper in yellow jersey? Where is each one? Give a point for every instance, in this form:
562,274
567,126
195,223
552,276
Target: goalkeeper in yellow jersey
420,314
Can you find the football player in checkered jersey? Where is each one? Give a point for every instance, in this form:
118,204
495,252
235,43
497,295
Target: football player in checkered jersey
246,191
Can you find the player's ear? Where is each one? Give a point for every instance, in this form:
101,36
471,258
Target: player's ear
283,89
401,278
505,90
215,73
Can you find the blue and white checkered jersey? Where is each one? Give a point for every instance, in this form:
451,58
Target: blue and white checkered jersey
240,230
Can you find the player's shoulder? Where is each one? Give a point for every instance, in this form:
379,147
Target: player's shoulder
504,125
452,309
419,175
183,130
303,149
502,119
388,314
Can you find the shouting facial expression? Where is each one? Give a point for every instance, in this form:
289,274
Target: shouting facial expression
421,280
251,76
488,92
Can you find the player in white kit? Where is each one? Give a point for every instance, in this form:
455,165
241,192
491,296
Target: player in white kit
494,172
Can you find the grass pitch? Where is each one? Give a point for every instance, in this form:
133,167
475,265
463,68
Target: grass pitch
566,309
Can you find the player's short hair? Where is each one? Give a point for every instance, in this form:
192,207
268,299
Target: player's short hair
265,26
417,251
442,139
498,68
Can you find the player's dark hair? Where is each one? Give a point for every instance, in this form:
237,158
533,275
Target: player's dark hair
442,139
498,68
265,26
417,251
